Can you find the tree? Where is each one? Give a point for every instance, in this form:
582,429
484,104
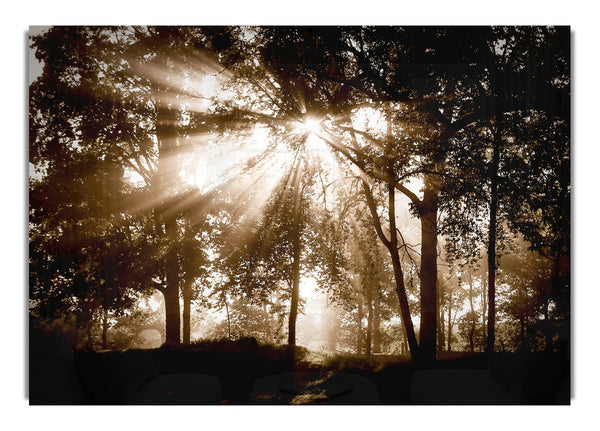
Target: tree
396,107
416,71
83,247
436,76
526,277
367,263
526,75
83,241
96,98
275,253
543,219
194,265
304,96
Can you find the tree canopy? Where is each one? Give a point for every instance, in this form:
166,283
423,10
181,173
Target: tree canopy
245,160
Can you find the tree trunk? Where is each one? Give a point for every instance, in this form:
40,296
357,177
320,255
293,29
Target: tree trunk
492,242
296,247
279,332
332,335
167,172
189,272
228,318
472,328
441,329
295,282
359,317
295,295
399,277
187,315
428,272
377,324
483,308
172,315
403,345
172,308
369,322
392,246
450,325
104,328
404,308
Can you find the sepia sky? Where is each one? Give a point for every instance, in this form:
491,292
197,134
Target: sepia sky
34,66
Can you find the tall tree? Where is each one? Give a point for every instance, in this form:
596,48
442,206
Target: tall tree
276,252
113,93
84,242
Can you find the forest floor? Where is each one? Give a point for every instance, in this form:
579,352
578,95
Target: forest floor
239,363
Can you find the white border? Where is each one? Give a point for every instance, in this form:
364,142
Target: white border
578,14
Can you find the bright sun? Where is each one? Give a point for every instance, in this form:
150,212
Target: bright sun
313,129
311,125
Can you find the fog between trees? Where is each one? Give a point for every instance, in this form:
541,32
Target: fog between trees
417,177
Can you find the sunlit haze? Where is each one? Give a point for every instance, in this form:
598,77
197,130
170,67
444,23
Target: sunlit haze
299,215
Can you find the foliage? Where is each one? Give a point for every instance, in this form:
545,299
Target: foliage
122,117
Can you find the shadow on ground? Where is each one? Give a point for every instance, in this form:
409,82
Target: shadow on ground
227,370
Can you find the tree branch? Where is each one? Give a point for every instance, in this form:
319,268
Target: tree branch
374,215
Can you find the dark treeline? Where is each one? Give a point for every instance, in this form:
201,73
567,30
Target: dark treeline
420,176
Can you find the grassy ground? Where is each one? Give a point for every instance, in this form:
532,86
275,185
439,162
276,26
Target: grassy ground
239,363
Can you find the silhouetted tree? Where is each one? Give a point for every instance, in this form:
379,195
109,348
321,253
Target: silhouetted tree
96,98
448,107
275,253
